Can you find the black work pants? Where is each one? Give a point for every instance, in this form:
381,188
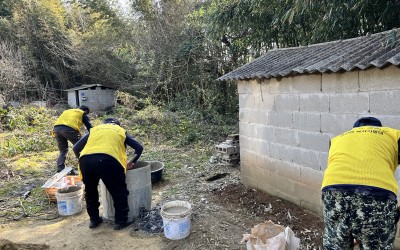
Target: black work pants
109,170
63,135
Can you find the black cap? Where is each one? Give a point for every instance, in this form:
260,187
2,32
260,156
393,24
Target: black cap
112,120
84,108
367,121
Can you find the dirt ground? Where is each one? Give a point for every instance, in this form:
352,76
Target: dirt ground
223,210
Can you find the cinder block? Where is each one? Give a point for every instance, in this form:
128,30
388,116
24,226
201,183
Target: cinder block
389,121
245,115
323,161
306,157
255,86
286,136
287,102
310,83
288,170
265,132
281,152
264,101
355,103
283,184
248,181
311,177
281,86
314,141
248,157
243,87
336,124
346,82
287,197
307,121
281,119
388,78
246,143
247,129
267,163
246,101
247,170
259,116
314,102
308,194
385,102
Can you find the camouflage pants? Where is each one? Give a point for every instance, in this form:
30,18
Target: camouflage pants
372,221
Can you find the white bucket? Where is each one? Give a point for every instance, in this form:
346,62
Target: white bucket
69,200
176,219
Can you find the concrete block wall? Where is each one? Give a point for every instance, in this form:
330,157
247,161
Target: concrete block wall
285,126
97,99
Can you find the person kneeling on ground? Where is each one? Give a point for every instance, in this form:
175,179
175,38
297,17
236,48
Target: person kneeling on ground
359,188
102,155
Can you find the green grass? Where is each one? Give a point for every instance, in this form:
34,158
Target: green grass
28,154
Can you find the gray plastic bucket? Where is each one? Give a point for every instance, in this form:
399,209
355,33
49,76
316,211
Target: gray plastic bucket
138,182
69,200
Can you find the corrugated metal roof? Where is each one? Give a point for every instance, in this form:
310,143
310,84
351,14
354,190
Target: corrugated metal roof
376,50
87,86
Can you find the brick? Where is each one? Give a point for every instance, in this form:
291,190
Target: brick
307,121
314,102
346,82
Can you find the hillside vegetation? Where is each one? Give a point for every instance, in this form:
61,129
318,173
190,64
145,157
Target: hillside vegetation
28,153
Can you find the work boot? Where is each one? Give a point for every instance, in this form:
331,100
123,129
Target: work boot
119,226
95,223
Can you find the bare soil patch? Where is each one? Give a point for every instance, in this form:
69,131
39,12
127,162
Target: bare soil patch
223,210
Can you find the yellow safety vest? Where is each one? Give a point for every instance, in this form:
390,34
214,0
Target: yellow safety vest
364,156
71,118
107,139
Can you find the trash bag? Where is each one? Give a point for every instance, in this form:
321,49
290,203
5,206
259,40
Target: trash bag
270,236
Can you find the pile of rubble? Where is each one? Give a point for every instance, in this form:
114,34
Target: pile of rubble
227,152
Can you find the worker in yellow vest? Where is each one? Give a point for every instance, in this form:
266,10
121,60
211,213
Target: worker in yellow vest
67,128
102,155
359,189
